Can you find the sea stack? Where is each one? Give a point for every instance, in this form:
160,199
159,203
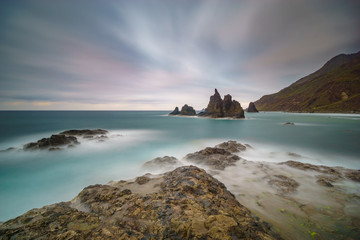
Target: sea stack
175,112
252,107
218,108
186,110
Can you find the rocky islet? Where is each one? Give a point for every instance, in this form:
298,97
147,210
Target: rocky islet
64,139
217,108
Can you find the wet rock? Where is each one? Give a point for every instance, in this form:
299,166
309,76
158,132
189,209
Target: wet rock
232,146
291,154
218,108
166,161
52,143
353,175
252,107
142,180
175,112
334,171
187,111
99,135
283,184
217,158
85,132
324,181
190,204
289,123
10,149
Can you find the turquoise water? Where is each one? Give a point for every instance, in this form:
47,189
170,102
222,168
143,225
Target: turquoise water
34,179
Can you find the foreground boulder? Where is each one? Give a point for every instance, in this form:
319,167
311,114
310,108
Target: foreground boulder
52,143
252,107
186,203
218,108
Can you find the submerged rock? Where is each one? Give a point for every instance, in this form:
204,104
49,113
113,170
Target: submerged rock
188,204
218,108
10,149
353,175
325,181
175,112
335,171
159,162
216,158
252,107
52,143
283,184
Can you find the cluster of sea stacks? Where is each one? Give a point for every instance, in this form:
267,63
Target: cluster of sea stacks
217,108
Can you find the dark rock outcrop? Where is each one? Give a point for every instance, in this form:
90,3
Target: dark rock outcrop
232,146
218,108
186,203
52,143
186,110
175,112
85,132
252,107
216,158
66,139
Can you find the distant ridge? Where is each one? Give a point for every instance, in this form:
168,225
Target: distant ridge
333,88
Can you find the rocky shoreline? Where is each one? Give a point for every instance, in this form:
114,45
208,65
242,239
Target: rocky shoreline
223,197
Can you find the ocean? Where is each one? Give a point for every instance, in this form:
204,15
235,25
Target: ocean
31,179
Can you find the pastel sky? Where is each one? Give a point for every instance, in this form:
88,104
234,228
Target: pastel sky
158,54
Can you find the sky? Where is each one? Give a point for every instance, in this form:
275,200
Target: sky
158,54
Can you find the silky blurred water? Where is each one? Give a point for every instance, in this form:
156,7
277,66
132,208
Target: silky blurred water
34,179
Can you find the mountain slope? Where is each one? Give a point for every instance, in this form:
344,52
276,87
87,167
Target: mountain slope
333,88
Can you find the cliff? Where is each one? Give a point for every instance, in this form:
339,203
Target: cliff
333,88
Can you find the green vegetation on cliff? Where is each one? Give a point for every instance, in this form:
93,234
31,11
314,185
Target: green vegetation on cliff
333,88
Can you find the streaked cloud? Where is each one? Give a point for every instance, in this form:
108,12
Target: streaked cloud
136,54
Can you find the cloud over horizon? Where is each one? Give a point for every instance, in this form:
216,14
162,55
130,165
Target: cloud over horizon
132,55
